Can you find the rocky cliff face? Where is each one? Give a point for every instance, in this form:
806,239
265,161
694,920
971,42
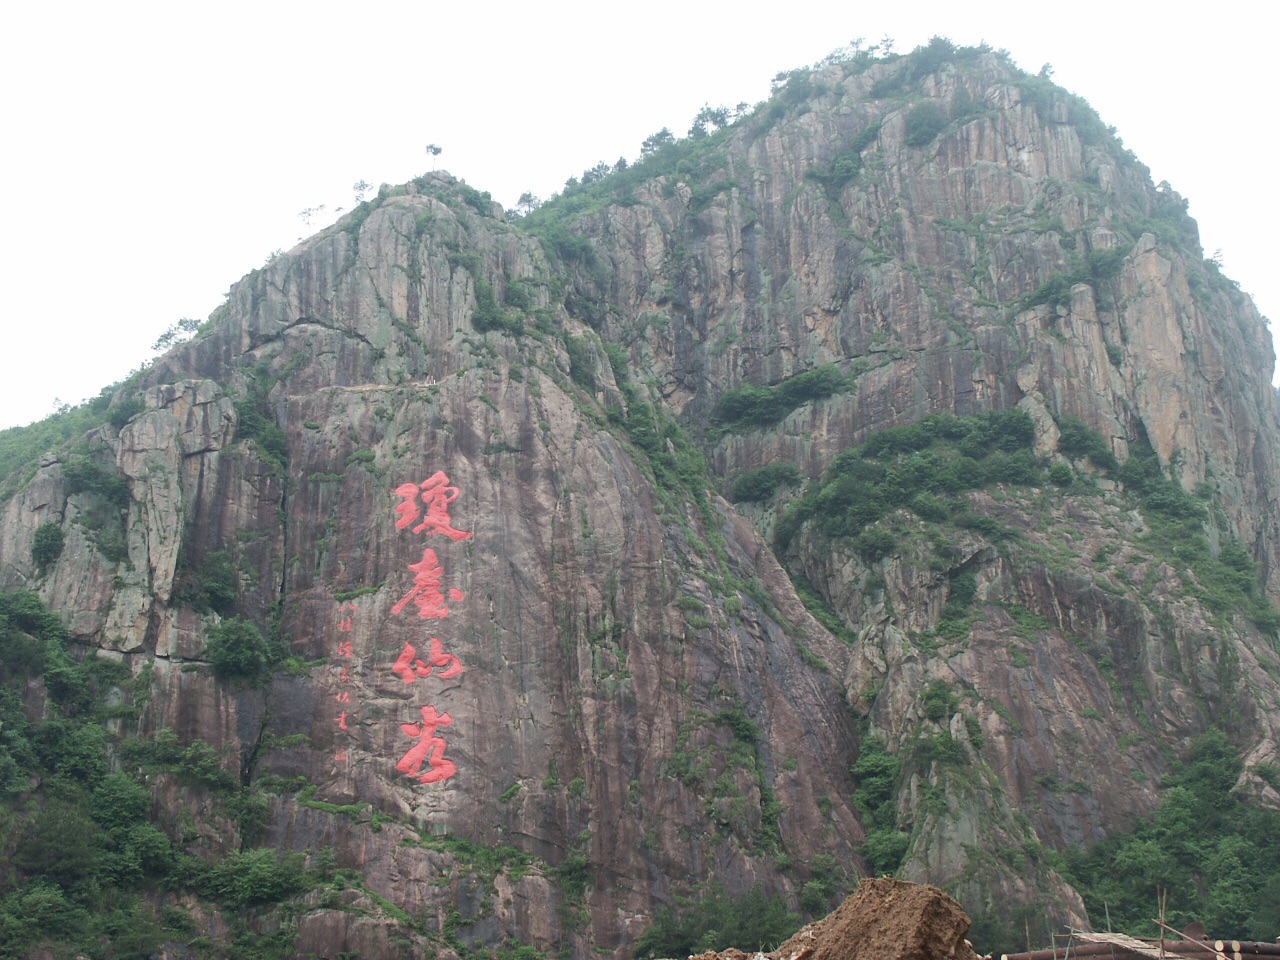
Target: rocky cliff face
637,700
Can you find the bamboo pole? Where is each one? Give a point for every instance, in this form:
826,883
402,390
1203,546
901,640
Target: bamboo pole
1161,898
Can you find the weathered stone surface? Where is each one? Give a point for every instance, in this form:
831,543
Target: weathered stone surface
646,705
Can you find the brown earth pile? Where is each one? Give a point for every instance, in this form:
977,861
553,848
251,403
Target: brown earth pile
882,920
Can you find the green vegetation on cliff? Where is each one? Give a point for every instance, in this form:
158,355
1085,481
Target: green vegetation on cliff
760,406
924,467
85,865
22,447
715,921
876,797
1213,851
1226,875
918,468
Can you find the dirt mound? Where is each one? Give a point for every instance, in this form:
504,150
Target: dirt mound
883,920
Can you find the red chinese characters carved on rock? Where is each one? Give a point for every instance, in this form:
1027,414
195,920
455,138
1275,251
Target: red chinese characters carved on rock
436,495
426,593
410,668
428,744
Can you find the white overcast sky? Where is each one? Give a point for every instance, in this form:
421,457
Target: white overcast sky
156,152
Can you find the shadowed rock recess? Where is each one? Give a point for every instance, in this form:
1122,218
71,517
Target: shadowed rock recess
709,627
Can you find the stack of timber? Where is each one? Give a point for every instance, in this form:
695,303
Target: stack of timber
1243,949
1122,947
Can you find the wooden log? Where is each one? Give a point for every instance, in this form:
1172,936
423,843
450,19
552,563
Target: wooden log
1077,950
1192,948
1184,948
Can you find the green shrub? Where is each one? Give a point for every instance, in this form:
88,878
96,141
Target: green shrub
815,898
479,201
924,123
1176,520
1097,267
62,845
761,406
31,636
1105,264
213,586
519,296
938,748
255,417
569,247
71,749
126,410
973,727
81,850
961,590
716,921
1061,475
239,652
980,523
194,761
255,877
1079,441
46,546
255,421
928,58
118,800
743,727
926,506
84,474
582,368
884,850
759,485
489,315
38,911
508,794
821,610
844,167
572,876
679,467
876,774
939,701
875,544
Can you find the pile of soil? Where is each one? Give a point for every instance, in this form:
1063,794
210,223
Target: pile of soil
882,920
